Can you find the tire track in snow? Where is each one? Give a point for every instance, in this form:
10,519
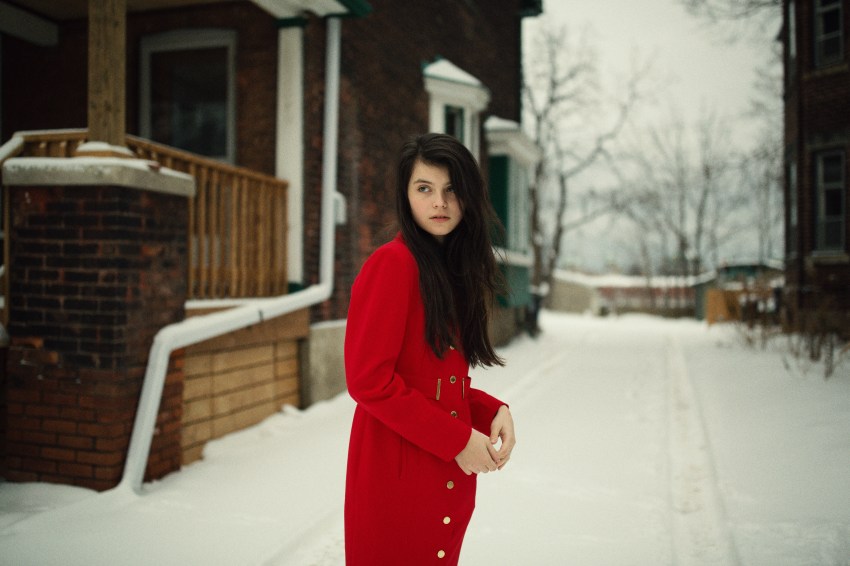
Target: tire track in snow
700,529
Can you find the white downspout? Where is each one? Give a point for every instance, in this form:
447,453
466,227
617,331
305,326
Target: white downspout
200,328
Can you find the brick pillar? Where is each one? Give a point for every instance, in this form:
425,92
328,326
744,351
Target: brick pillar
95,271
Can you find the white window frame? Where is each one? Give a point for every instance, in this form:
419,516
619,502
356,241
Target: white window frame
187,39
449,85
820,213
821,37
505,137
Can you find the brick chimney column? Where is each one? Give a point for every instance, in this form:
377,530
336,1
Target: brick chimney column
98,264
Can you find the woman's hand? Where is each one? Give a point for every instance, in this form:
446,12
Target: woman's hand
479,456
502,428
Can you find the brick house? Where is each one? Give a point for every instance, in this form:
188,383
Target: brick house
816,49
227,104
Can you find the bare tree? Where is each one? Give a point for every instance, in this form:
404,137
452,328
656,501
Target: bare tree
685,191
763,166
563,99
717,10
760,167
754,20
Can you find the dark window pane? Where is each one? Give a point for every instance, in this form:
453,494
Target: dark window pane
454,121
832,167
189,100
829,50
831,22
833,232
833,203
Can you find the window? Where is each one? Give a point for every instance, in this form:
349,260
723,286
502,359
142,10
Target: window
830,205
454,121
187,91
456,100
512,159
519,176
829,33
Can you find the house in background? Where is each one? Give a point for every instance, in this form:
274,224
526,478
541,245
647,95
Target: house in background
816,51
576,292
245,119
512,159
740,291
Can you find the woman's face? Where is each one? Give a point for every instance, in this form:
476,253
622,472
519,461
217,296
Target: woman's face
433,202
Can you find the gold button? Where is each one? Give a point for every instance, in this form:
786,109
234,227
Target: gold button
450,484
452,379
447,520
441,554
454,414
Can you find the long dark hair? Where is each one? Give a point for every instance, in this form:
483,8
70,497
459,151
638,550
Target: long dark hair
458,279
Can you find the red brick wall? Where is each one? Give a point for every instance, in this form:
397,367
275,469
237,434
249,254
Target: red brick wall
256,70
383,102
817,117
95,272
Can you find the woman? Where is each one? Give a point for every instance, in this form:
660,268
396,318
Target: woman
417,321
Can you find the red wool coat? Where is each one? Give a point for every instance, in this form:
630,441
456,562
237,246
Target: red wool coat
406,500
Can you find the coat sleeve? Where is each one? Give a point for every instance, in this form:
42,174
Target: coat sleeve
483,408
381,297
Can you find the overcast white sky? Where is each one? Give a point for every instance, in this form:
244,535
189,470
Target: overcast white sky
703,65
696,65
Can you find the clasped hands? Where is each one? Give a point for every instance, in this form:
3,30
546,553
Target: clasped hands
481,454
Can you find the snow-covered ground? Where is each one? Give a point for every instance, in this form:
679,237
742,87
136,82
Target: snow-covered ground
641,441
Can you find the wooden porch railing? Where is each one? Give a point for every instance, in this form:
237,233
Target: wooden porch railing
237,220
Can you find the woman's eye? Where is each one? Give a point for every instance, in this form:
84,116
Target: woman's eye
423,188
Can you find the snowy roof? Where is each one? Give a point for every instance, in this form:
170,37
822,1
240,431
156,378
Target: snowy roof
494,123
506,137
621,281
448,71
294,8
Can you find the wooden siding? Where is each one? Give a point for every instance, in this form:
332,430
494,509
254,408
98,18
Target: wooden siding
237,380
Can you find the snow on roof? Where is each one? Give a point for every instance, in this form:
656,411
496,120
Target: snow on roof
621,281
448,71
495,123
120,171
506,137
